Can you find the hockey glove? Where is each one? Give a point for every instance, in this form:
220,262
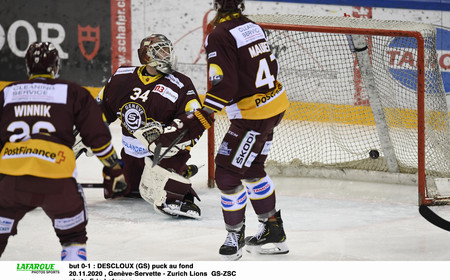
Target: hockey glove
149,133
114,184
79,148
153,133
196,123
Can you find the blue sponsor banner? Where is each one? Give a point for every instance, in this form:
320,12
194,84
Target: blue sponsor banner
443,48
439,5
402,64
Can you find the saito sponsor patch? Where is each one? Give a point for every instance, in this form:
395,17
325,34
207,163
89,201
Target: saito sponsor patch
235,201
261,189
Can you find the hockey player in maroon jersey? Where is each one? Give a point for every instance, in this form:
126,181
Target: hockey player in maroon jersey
37,164
243,73
153,94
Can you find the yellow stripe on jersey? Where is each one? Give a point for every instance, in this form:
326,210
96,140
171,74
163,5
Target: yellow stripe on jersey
111,152
96,150
147,79
215,97
260,106
38,158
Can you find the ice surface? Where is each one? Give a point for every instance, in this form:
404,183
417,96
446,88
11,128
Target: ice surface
325,220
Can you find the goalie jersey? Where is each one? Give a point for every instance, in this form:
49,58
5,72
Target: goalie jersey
36,127
137,99
243,72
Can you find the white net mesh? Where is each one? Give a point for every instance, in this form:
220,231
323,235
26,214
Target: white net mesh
330,122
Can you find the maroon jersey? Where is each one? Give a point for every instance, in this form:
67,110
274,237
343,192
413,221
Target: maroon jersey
137,99
243,72
37,119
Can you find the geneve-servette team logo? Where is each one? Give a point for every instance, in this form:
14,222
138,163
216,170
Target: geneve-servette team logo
132,116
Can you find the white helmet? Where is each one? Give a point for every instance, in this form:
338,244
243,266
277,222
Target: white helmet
157,51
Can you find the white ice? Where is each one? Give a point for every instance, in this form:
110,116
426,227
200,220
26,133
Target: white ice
325,220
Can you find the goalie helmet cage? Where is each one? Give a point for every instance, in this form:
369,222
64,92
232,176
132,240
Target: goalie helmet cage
366,97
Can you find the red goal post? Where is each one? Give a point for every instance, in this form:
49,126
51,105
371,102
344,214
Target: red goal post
366,96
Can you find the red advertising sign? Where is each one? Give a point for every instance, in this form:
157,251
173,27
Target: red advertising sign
88,34
120,33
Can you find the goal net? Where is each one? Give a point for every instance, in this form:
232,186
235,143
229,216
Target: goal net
365,96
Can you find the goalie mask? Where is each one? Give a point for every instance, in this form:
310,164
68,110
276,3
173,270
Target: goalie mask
42,58
157,51
229,5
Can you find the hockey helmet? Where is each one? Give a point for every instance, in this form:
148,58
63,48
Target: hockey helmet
229,5
42,58
157,51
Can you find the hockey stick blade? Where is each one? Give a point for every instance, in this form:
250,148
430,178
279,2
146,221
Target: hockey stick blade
433,218
157,158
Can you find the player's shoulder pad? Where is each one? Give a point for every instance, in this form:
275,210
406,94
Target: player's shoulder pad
125,70
178,79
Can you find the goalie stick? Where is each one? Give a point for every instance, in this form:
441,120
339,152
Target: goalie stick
92,185
156,155
433,218
189,173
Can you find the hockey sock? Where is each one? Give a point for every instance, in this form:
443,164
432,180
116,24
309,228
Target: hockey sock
73,252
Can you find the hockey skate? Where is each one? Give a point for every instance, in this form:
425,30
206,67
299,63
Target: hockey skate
231,250
186,208
270,238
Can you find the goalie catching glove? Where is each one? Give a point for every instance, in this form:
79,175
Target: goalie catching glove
114,184
154,133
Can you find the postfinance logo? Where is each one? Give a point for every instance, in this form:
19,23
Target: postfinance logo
26,151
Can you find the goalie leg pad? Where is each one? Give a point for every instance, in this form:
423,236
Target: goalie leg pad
167,191
153,181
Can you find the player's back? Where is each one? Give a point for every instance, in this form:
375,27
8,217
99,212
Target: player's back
37,118
255,66
243,72
40,108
